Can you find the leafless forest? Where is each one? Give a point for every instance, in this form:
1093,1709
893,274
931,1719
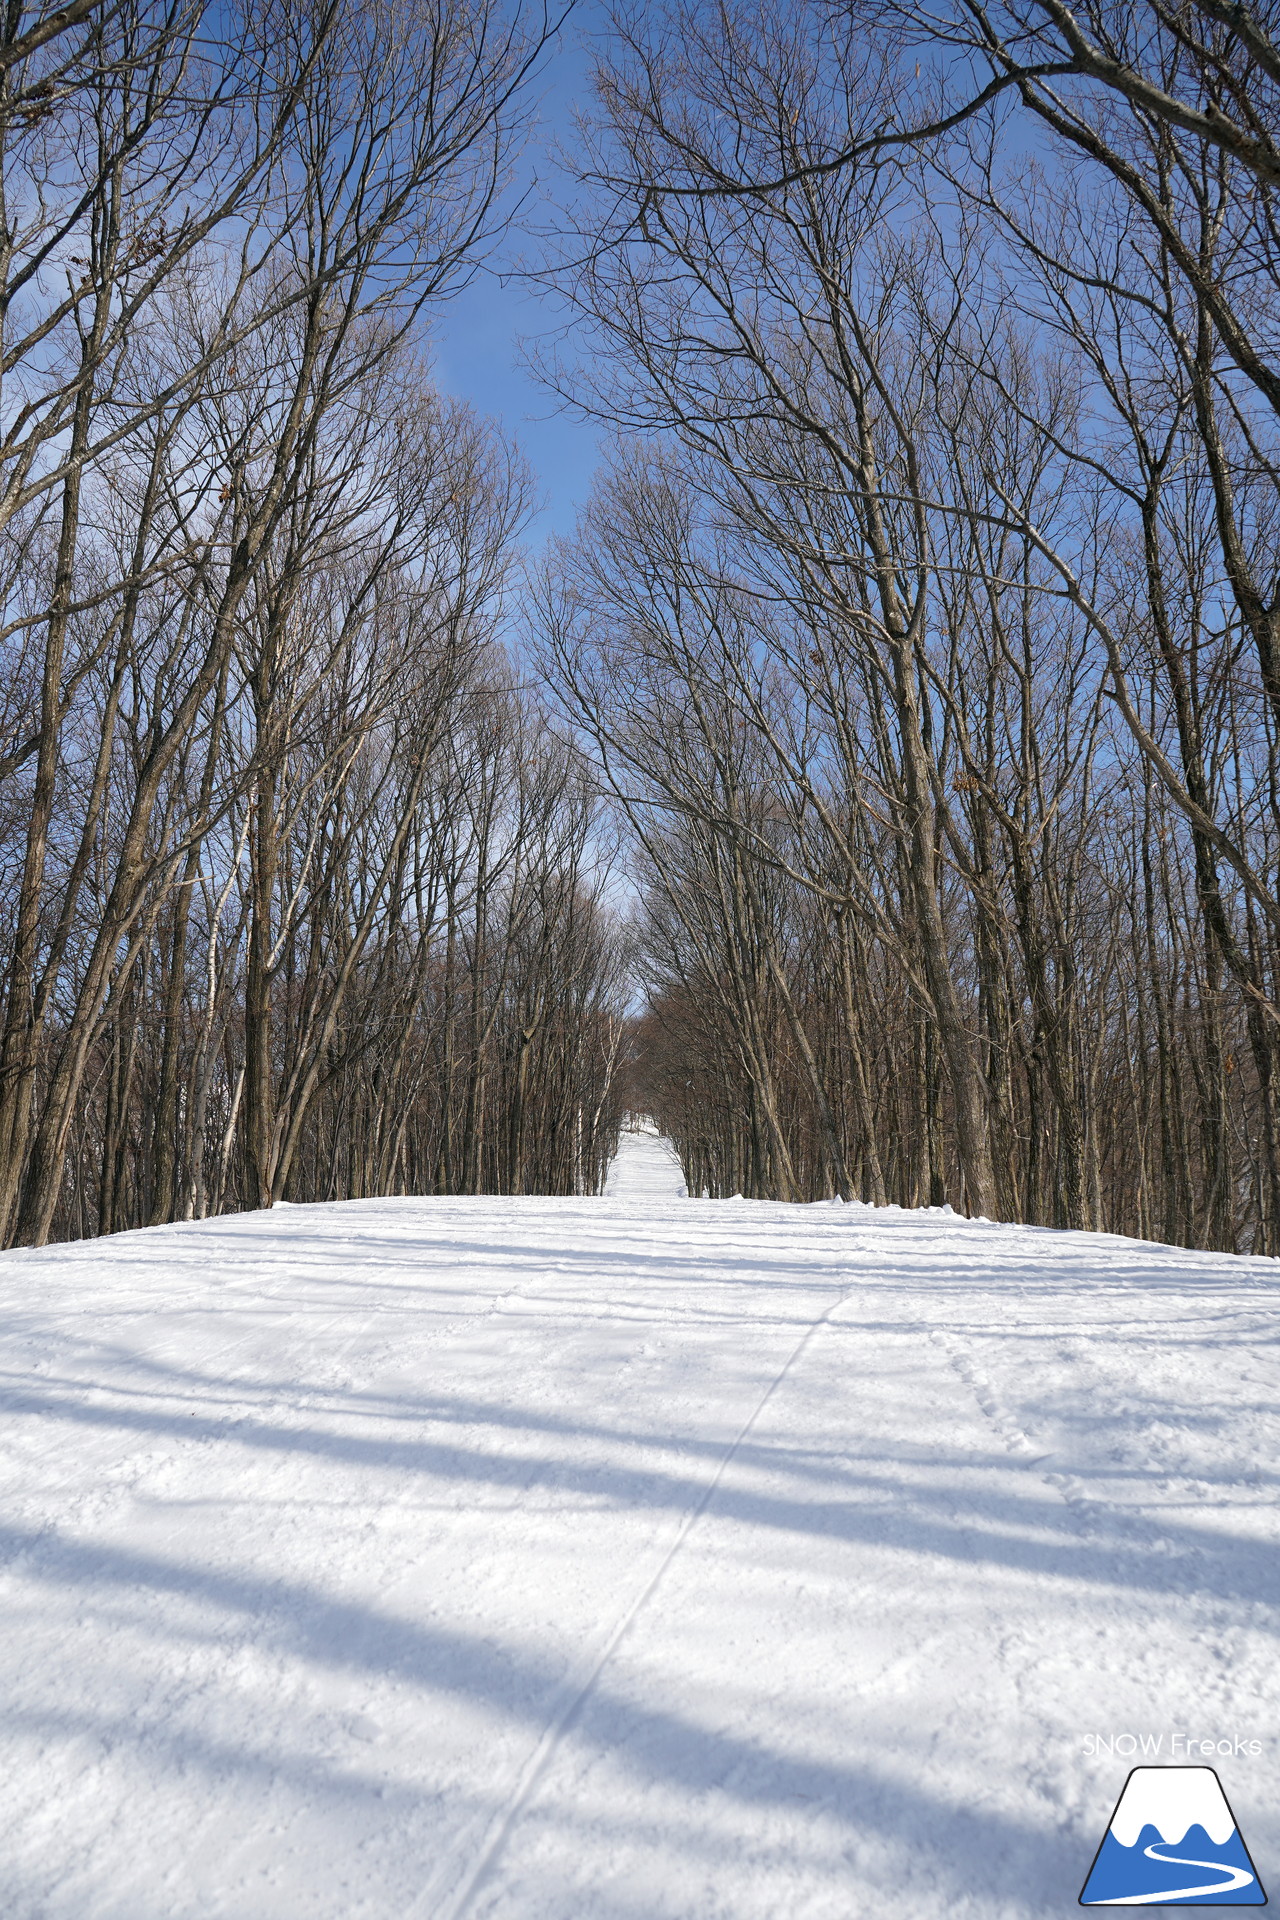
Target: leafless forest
919,647
299,887
926,624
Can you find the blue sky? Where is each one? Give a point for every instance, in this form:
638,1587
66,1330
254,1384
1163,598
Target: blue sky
476,336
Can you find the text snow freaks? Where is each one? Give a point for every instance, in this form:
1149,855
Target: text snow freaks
1169,1746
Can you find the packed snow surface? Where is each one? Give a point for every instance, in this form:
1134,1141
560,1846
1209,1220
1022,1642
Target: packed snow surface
633,1558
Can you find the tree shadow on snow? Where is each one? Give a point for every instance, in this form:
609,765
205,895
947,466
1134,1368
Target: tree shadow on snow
957,1851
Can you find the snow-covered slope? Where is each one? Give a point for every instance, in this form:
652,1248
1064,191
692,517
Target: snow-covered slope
625,1559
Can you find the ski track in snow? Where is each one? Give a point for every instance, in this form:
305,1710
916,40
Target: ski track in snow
620,1559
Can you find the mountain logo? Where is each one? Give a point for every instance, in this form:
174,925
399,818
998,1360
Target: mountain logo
1172,1842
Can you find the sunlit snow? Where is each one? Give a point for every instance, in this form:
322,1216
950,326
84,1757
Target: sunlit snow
634,1558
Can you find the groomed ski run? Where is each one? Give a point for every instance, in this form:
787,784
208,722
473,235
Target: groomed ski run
634,1558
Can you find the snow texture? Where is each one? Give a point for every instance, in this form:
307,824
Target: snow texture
635,1558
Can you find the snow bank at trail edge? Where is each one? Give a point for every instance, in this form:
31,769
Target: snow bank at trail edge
632,1558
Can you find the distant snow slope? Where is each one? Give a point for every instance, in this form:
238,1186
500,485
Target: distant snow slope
645,1167
623,1559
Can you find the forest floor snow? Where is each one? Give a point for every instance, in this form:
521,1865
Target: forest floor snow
632,1558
